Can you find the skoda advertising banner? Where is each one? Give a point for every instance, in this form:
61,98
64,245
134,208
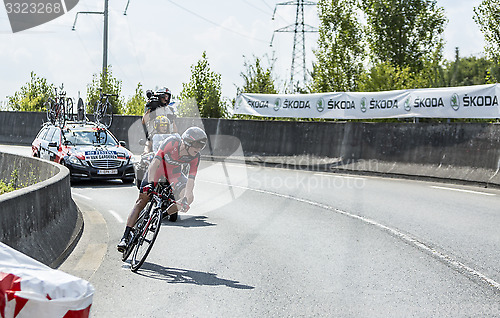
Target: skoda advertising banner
479,101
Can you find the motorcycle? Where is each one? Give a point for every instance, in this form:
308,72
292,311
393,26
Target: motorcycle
142,166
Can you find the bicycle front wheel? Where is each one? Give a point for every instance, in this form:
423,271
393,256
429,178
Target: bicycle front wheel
146,239
142,219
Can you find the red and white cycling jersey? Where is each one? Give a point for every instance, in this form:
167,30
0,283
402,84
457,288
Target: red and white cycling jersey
172,161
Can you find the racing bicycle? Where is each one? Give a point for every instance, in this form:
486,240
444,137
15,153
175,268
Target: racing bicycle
103,110
56,108
147,226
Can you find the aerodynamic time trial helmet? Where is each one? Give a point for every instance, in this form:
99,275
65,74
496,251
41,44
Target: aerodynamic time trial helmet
195,137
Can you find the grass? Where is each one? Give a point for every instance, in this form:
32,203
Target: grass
10,185
4,188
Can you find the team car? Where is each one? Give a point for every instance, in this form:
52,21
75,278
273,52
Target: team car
89,151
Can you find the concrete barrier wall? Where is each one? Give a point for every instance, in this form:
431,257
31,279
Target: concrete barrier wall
40,220
461,151
457,151
20,127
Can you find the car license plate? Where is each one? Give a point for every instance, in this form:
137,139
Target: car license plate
114,171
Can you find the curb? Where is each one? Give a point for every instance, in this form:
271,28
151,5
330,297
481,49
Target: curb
73,241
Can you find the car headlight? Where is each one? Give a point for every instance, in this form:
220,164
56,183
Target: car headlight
74,160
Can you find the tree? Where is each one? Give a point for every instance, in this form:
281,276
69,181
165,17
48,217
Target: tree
487,16
465,71
257,79
386,77
135,105
404,33
202,93
340,52
109,85
32,95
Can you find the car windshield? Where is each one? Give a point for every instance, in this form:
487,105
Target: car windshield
92,137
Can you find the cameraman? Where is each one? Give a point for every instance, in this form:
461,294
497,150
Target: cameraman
157,105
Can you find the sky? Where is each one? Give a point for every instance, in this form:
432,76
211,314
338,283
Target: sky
158,41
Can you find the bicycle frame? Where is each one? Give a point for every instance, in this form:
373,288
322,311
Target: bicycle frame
56,112
101,113
162,199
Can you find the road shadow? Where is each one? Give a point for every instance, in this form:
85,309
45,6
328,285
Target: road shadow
185,276
196,221
91,184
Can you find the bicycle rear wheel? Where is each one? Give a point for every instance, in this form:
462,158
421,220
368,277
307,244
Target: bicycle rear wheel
146,239
107,115
69,109
136,229
80,109
59,114
50,114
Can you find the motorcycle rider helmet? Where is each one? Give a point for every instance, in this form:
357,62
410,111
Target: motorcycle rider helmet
161,122
164,92
194,137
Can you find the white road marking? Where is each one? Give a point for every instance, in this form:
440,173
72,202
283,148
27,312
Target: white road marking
337,176
116,216
463,190
405,237
81,196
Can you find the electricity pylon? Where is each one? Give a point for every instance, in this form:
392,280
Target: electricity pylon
299,43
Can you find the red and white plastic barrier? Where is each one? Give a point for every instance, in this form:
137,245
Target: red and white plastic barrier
29,288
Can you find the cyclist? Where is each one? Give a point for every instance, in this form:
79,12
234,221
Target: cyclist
158,104
173,153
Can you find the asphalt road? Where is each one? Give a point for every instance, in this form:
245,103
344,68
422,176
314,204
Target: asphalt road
262,242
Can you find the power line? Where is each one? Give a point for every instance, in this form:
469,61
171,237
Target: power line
255,7
135,50
105,33
267,5
214,23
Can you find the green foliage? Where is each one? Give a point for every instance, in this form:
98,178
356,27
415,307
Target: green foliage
340,52
109,85
470,71
32,95
461,72
487,16
404,33
4,188
257,79
135,105
203,93
10,185
386,77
